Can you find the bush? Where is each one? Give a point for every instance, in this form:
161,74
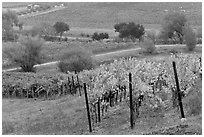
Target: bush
77,59
190,38
148,45
130,30
27,54
151,35
173,24
100,36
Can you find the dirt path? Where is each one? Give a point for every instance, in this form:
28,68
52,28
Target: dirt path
103,55
40,13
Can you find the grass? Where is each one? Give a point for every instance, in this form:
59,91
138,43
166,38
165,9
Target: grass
106,15
53,50
108,58
67,115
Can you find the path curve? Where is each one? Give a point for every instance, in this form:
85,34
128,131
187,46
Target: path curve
97,55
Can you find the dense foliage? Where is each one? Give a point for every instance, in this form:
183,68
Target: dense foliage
154,78
173,26
190,38
130,30
76,59
9,19
100,36
61,27
27,53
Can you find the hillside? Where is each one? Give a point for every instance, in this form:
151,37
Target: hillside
105,15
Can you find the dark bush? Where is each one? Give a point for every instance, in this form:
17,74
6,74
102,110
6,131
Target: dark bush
131,30
100,36
77,59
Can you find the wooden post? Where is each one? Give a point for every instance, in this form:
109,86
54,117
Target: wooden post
131,105
124,92
116,98
178,91
73,86
99,112
79,85
121,95
70,86
110,98
87,107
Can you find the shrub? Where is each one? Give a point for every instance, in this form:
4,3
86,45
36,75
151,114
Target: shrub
173,24
130,30
190,38
77,59
148,45
100,36
27,54
151,35
95,36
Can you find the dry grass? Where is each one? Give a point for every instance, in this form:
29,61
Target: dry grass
105,15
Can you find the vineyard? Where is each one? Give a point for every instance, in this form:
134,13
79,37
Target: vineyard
153,83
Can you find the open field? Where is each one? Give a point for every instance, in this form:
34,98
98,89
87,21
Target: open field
88,18
106,15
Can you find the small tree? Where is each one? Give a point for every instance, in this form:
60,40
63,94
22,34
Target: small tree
151,35
100,36
61,27
27,54
119,26
95,36
148,45
190,38
9,19
130,30
173,26
42,30
76,59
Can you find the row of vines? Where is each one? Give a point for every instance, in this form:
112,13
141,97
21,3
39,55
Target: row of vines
151,78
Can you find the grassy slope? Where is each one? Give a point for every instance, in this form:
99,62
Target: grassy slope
105,15
67,115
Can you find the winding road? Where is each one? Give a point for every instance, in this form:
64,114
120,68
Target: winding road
114,53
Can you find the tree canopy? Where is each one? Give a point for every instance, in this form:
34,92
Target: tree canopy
130,30
173,26
61,27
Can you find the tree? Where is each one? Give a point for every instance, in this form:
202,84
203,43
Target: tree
9,19
42,30
130,30
119,26
61,27
27,54
151,35
76,59
173,26
190,37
